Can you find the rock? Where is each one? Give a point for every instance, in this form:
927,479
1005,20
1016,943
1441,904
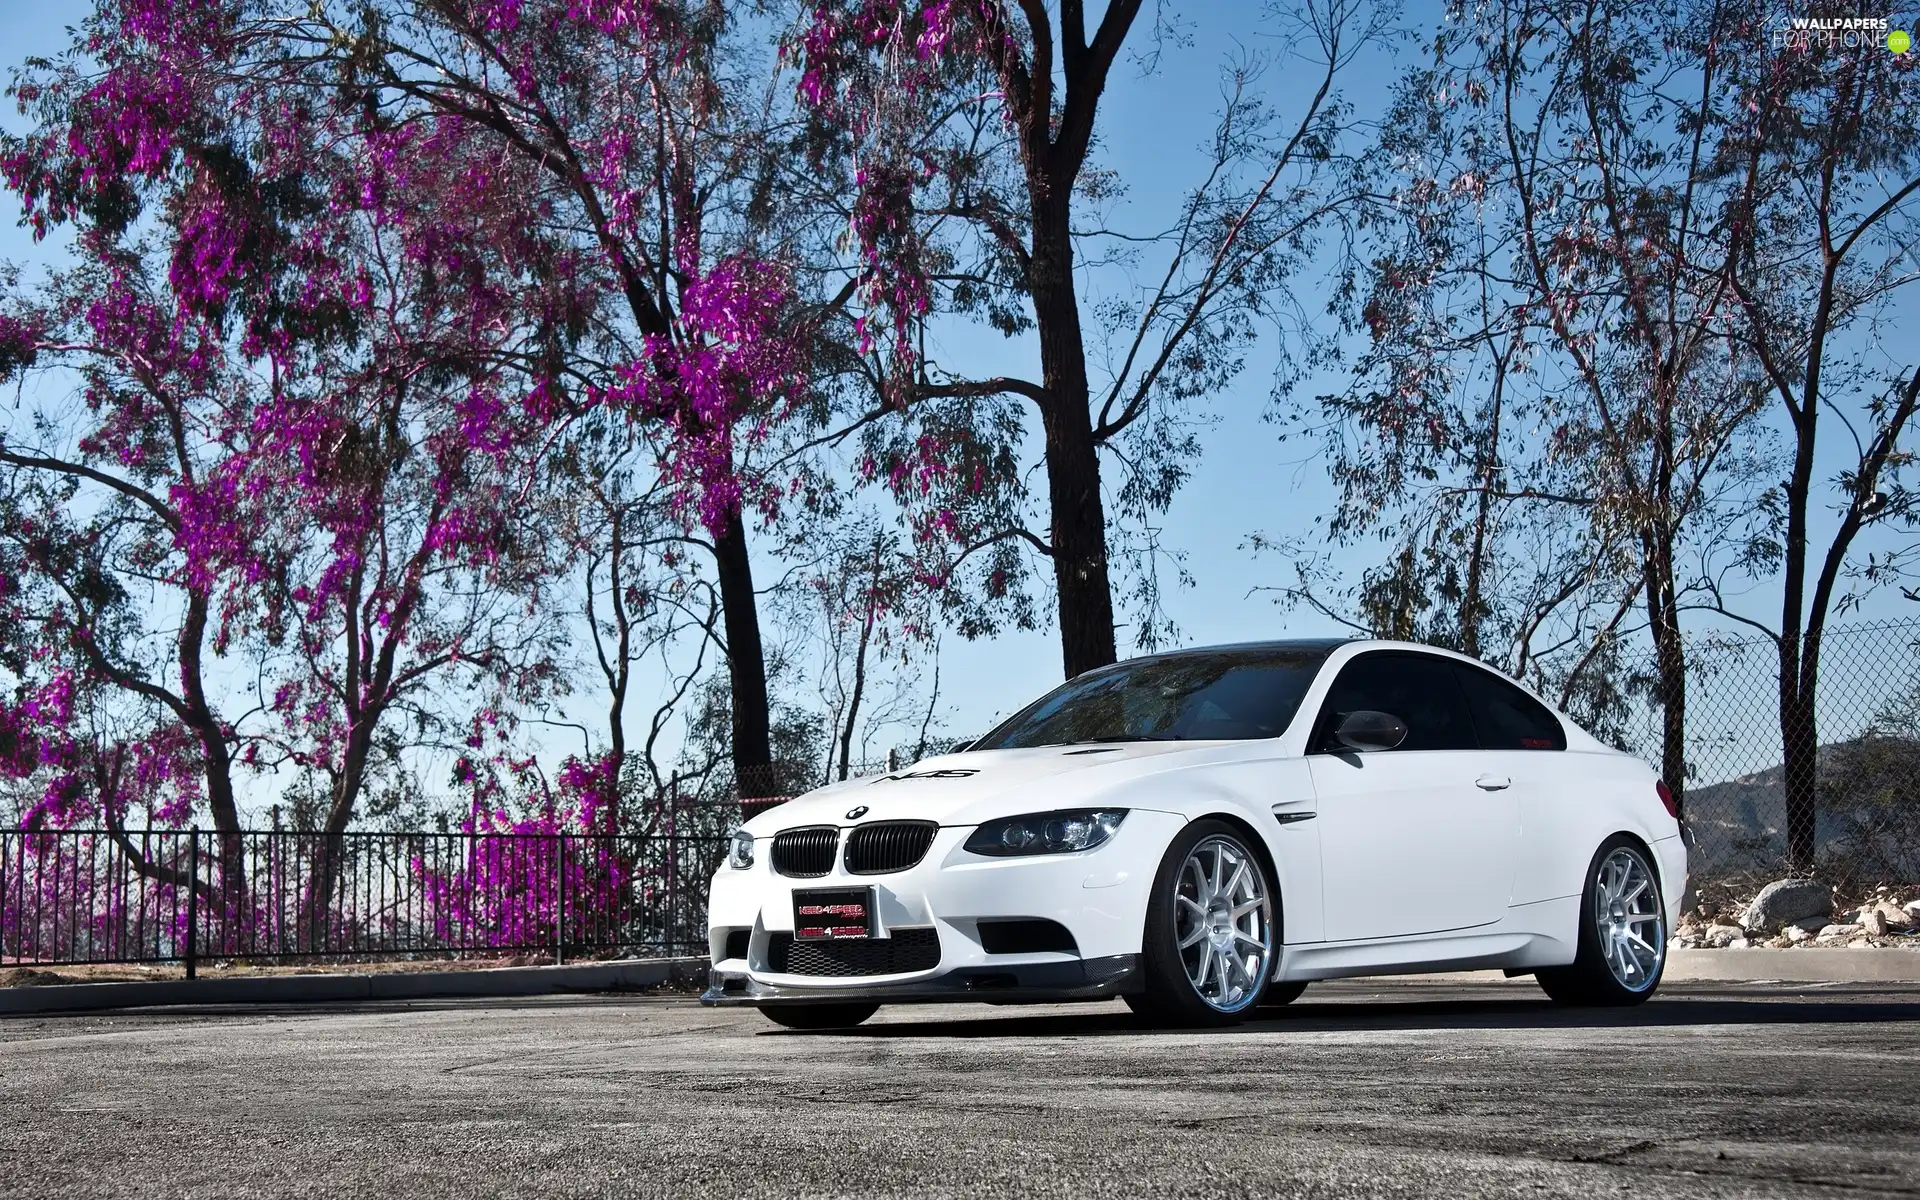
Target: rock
1873,921
1838,931
1785,901
1799,933
1812,925
1897,918
1722,937
1913,909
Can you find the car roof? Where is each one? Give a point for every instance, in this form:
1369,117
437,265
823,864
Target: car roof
1320,645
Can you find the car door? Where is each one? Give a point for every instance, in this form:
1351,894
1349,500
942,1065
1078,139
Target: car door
1420,838
1523,744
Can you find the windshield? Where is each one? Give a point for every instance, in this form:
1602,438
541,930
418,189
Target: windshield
1205,695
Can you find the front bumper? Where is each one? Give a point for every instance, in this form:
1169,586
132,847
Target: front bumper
1017,983
1098,897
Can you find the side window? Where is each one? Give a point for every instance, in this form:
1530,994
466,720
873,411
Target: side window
1419,690
1506,717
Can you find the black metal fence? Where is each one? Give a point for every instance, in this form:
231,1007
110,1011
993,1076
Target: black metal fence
1867,791
76,896
99,896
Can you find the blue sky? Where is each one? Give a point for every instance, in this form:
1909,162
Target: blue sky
1150,131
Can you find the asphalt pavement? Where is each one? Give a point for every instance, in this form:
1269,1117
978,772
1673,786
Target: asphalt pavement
1368,1088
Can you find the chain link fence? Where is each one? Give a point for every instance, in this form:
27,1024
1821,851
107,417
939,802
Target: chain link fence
1867,774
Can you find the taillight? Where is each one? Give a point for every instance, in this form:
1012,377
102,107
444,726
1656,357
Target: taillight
1666,798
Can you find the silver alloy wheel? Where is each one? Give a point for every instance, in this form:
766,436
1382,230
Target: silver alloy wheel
1628,921
1223,923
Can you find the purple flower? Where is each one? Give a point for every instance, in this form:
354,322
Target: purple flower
19,345
129,123
206,254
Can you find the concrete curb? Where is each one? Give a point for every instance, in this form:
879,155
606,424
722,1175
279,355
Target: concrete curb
1814,964
620,975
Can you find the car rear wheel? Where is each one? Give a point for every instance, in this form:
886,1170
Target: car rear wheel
1210,932
818,1016
1623,933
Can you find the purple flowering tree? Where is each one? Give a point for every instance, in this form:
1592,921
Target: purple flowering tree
533,227
108,635
681,337
294,339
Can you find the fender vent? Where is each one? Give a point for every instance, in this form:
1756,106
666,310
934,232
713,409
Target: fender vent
888,846
805,853
1030,935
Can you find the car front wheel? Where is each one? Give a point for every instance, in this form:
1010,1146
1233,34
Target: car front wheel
1210,930
1623,933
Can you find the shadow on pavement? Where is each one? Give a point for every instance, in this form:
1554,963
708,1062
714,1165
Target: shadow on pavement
1399,1016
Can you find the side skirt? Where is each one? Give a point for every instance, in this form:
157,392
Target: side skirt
1543,934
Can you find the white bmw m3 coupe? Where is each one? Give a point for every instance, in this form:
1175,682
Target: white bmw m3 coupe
1209,830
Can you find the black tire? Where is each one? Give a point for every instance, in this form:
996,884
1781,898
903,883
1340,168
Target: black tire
1590,981
818,1016
1169,998
1281,993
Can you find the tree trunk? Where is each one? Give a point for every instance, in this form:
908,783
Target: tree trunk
860,665
217,766
1670,661
1079,536
746,663
853,700
622,666
1800,744
1798,747
330,851
1470,602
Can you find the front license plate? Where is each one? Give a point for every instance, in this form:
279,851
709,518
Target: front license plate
822,914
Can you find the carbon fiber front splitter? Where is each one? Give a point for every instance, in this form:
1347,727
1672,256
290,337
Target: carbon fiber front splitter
1022,983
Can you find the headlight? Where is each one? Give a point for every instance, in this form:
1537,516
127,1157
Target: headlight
1046,833
740,851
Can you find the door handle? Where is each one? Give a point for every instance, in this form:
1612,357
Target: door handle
1491,783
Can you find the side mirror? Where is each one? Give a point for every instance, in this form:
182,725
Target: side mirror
1365,729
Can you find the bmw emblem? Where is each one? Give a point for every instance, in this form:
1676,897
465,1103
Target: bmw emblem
854,814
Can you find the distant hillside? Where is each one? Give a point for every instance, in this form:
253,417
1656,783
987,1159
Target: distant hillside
1869,805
